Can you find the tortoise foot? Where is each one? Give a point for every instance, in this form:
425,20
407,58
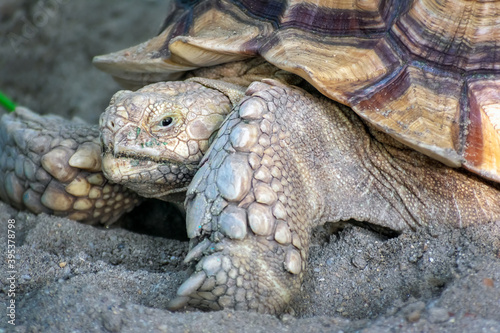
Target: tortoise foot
243,275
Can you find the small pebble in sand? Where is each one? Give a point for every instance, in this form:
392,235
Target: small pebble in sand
438,315
488,282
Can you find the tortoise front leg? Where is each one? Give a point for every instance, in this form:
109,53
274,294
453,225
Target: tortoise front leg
249,212
52,165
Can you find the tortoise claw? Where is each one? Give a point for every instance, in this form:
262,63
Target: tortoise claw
192,284
178,303
196,252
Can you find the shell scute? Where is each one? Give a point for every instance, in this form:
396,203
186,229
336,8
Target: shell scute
357,18
340,68
421,109
457,33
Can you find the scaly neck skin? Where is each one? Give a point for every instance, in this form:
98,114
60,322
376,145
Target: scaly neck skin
352,171
337,165
324,146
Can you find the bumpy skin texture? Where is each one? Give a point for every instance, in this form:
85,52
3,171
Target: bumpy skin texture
51,165
286,161
154,138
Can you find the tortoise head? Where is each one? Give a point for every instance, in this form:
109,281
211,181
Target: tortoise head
154,138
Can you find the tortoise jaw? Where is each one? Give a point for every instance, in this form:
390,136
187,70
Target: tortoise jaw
151,179
122,169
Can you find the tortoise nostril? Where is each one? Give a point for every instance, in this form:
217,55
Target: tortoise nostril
112,124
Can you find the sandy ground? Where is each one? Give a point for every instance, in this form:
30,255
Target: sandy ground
72,277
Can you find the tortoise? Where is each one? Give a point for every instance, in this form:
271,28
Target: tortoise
395,123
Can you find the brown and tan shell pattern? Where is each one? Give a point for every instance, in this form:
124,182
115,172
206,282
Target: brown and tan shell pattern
425,71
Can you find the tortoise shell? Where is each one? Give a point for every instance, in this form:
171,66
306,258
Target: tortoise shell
427,72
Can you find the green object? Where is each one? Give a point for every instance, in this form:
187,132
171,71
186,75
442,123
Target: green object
7,103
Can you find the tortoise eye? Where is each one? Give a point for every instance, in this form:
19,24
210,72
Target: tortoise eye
165,122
